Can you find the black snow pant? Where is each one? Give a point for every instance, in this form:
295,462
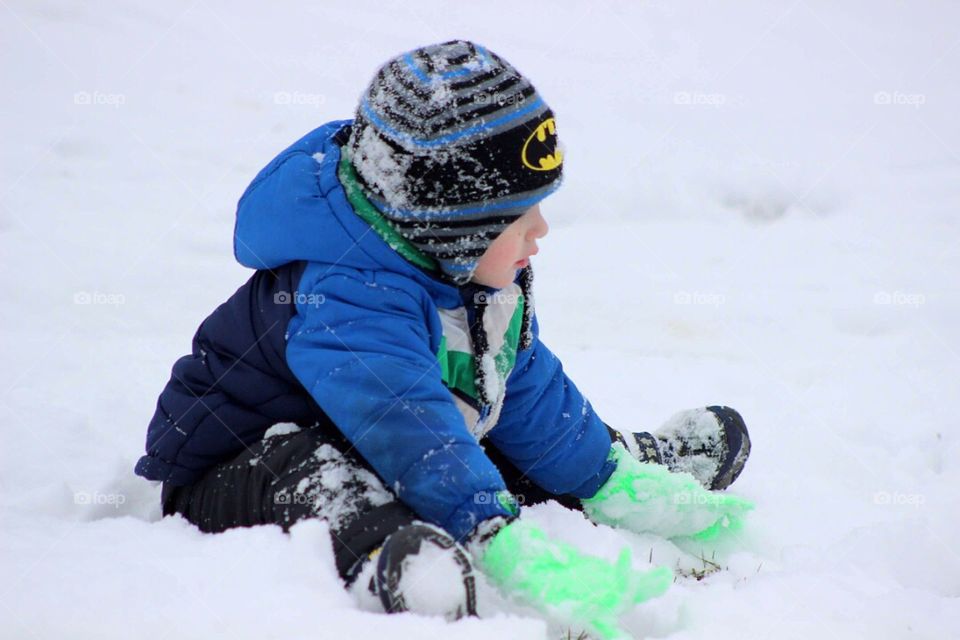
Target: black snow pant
315,473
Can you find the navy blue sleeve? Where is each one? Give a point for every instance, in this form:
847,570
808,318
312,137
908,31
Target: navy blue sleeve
360,345
548,429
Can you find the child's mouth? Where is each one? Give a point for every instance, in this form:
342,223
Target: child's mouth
522,263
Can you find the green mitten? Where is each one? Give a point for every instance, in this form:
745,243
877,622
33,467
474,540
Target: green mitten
565,584
644,497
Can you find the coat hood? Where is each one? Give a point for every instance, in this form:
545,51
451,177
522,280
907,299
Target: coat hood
296,209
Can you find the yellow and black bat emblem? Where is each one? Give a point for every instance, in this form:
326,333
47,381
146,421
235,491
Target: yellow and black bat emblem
540,151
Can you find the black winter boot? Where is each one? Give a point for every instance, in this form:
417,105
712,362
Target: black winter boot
710,443
422,569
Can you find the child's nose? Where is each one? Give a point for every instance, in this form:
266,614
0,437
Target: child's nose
540,228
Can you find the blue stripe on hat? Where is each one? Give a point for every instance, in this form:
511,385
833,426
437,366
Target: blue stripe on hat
453,214
450,137
486,54
421,76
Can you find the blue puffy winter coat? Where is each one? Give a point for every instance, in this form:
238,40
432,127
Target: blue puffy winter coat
335,323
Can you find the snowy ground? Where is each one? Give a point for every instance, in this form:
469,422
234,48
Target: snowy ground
761,210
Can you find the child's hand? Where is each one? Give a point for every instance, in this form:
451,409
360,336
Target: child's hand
557,579
645,497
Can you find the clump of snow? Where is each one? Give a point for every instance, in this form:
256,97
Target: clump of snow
339,492
491,379
432,582
377,163
281,429
440,93
341,486
691,441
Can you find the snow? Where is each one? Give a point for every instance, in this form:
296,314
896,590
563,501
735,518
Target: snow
378,165
426,579
338,489
760,210
491,379
689,431
281,429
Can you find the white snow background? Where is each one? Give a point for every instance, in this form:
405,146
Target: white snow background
761,210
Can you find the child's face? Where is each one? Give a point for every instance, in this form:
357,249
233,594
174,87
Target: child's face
511,250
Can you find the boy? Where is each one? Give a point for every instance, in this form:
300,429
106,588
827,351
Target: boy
382,369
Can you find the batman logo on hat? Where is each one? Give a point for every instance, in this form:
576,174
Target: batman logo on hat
540,151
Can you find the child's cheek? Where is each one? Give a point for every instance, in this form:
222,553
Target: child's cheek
513,252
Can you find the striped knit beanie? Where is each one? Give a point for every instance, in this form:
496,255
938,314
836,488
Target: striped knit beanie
452,144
